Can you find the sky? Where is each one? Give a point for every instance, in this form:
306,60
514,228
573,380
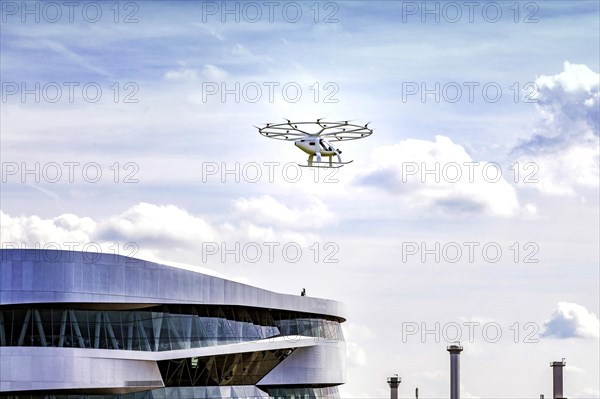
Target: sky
471,213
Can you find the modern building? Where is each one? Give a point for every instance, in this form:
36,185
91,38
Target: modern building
83,325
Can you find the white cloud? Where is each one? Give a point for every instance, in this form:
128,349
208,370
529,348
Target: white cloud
33,230
459,184
164,224
70,231
574,78
214,72
186,266
571,320
267,210
356,355
565,146
72,222
182,74
561,172
167,232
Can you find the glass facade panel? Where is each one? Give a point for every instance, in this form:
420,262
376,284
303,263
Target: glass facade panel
303,393
223,370
158,329
212,392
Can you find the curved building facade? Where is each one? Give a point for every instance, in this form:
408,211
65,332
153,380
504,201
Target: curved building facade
85,325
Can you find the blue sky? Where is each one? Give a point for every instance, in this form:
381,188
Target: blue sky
371,211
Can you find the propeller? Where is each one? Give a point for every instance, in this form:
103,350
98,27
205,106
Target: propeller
340,130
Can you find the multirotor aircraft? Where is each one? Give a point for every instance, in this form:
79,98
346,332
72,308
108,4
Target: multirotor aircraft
310,138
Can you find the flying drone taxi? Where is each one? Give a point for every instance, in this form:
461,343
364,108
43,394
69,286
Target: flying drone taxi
310,138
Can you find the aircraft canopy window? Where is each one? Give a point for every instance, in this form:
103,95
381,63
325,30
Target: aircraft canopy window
325,146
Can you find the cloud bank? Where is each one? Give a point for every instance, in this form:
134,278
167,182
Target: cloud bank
571,320
442,176
566,146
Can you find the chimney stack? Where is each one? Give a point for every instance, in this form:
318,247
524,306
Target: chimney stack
557,379
393,382
455,370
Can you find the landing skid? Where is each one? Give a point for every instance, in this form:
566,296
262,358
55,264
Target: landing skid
326,164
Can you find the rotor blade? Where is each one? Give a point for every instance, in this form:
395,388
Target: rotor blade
288,126
334,125
340,130
291,136
353,135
